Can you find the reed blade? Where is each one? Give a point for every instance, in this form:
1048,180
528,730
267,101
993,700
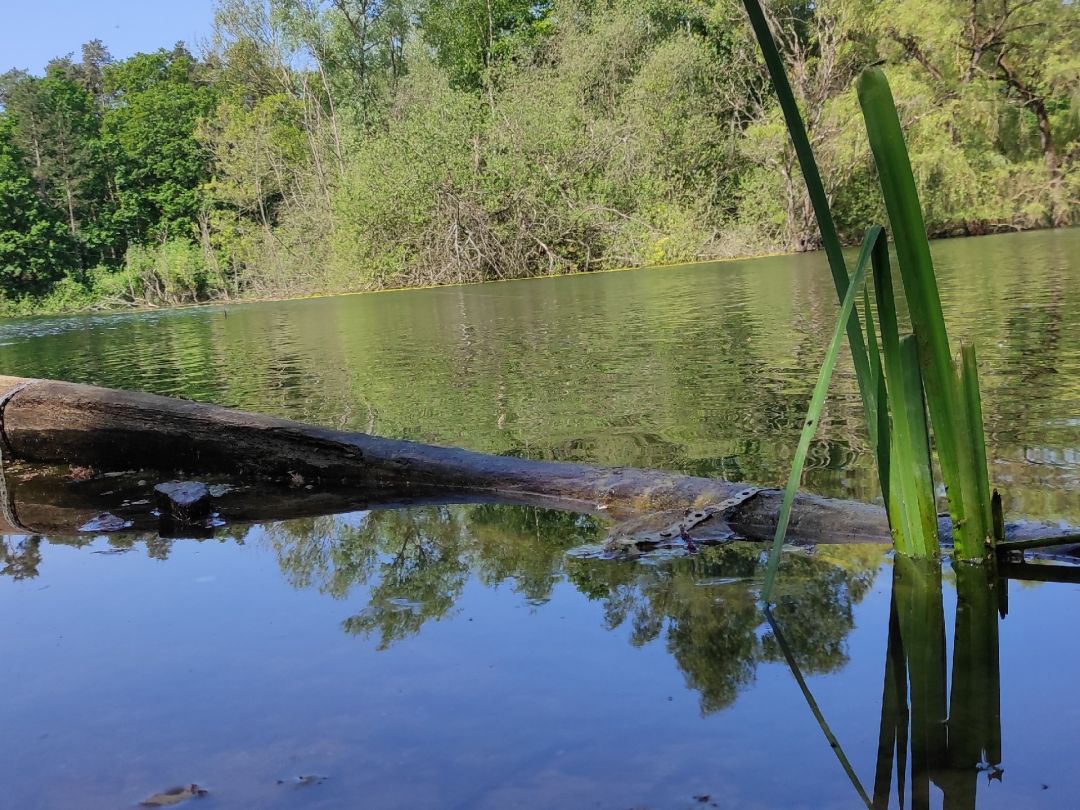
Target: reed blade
922,472
943,393
917,585
879,409
830,241
817,403
834,743
997,517
975,697
912,516
969,383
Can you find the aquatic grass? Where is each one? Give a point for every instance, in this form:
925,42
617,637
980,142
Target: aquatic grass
952,411
969,389
997,516
819,200
817,403
893,726
910,496
917,585
951,720
878,408
975,697
823,724
924,510
913,374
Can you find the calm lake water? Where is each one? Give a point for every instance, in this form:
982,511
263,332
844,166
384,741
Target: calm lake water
459,656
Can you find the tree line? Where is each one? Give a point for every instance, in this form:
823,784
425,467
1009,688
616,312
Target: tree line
324,145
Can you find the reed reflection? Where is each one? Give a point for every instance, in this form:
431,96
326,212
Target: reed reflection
935,733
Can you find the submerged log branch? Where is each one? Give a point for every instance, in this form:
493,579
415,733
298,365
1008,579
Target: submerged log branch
66,423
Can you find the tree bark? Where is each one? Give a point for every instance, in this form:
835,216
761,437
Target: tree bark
104,429
1031,99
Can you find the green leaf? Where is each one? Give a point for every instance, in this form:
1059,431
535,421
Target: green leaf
817,403
879,409
947,409
818,198
969,383
910,500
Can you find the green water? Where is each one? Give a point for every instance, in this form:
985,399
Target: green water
705,369
467,656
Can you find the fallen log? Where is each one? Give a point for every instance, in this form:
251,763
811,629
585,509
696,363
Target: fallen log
54,422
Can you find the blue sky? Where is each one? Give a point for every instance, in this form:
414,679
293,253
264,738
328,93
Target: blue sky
34,31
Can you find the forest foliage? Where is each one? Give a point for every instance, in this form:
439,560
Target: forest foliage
330,145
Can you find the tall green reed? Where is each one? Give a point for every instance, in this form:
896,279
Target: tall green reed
951,393
900,377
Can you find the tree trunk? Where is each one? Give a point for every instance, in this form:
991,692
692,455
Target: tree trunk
66,423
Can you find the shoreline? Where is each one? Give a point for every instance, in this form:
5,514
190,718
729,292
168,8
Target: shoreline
276,299
271,299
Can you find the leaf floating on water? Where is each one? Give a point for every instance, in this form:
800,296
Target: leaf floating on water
174,796
105,522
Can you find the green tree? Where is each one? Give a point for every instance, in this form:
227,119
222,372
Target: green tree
35,247
1013,66
157,102
326,145
469,36
56,126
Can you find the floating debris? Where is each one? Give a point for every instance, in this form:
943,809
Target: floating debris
105,522
174,796
303,781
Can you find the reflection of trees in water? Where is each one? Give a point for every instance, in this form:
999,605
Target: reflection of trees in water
416,563
420,574
705,606
20,558
526,546
413,565
410,558
826,585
